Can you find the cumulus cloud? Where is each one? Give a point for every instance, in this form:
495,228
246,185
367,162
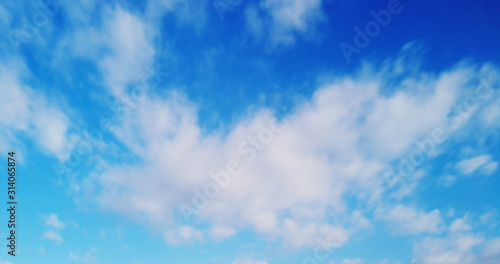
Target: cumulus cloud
292,176
292,179
288,179
460,244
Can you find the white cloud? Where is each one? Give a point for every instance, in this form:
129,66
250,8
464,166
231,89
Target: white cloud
491,252
220,232
183,234
468,166
6,17
187,13
453,250
362,261
297,188
408,220
254,23
86,258
53,235
352,261
457,249
129,39
297,235
491,115
460,245
28,111
447,180
489,168
249,261
334,145
460,225
489,218
53,221
281,21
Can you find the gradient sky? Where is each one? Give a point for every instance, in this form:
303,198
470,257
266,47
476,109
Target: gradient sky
252,132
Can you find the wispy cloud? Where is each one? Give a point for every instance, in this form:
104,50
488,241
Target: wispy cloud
86,258
29,111
469,166
281,22
53,235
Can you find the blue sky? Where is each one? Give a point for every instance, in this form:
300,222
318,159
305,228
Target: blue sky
252,132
